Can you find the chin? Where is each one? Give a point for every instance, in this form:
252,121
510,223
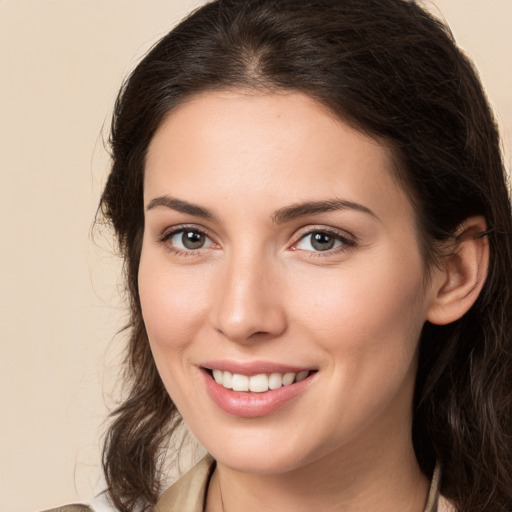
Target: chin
262,464
262,458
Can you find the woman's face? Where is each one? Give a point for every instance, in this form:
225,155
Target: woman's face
280,254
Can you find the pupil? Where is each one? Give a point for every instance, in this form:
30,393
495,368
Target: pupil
322,241
193,239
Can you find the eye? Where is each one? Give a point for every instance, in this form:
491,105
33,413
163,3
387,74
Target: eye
188,239
321,241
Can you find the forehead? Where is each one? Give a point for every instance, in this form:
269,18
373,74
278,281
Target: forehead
276,147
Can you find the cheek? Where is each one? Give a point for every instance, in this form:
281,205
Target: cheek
367,321
173,302
364,306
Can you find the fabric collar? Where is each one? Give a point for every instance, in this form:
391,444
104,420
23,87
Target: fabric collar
189,492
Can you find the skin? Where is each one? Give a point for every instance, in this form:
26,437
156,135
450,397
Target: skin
258,290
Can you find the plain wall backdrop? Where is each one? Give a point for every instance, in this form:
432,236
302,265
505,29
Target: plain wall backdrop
61,64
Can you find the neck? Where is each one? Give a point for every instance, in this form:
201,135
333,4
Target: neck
379,478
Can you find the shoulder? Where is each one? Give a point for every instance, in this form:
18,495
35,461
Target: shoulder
71,508
100,503
185,495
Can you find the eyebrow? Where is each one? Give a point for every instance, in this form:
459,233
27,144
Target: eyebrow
316,207
282,215
181,206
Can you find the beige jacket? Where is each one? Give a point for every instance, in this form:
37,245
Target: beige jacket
188,493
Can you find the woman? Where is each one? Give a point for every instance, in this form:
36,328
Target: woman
312,206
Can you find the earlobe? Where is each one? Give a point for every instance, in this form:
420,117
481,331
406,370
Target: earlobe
462,274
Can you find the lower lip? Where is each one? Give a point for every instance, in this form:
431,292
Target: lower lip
253,405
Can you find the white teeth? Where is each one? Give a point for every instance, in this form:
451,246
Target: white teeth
275,381
301,376
240,382
218,376
257,383
288,378
227,381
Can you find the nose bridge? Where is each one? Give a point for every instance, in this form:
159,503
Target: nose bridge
249,301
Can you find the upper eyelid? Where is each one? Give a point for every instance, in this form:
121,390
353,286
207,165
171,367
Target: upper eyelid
296,237
307,230
172,230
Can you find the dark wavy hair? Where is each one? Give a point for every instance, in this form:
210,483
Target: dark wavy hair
392,71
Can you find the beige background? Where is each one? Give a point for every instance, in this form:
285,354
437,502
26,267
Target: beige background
61,63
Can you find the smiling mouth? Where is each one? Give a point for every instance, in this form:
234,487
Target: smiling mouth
259,383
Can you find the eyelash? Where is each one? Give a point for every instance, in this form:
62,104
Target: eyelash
168,235
347,242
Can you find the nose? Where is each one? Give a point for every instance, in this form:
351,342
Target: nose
249,306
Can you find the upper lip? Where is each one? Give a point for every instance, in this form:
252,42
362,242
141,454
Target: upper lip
253,367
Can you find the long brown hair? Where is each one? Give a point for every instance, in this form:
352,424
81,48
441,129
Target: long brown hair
394,72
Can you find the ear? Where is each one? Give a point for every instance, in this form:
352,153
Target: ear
462,273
